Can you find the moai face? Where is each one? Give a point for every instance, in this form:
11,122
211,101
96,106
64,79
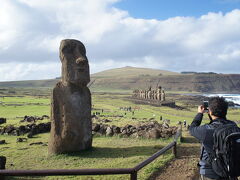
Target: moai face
75,67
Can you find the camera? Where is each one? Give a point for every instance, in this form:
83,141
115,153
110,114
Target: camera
205,105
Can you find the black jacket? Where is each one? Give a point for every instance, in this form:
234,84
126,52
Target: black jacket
204,134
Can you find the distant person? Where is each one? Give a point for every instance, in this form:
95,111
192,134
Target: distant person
160,118
184,123
217,111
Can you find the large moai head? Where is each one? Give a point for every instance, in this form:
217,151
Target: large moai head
75,67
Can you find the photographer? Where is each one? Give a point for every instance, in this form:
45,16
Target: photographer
217,111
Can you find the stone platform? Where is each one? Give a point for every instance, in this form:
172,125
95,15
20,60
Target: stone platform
153,102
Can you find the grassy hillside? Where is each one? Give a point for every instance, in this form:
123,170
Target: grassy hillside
190,83
30,83
130,78
129,72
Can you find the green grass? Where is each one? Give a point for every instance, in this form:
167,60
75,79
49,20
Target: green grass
15,108
111,105
107,152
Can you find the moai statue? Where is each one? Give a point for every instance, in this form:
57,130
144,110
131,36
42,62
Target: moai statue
71,126
163,96
134,93
138,93
145,94
155,94
159,93
149,92
141,94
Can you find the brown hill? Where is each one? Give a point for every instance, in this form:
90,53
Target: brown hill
129,72
191,82
130,78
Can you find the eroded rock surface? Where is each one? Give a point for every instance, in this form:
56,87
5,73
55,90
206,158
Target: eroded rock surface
71,126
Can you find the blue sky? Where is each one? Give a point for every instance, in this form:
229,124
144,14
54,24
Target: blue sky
163,9
197,35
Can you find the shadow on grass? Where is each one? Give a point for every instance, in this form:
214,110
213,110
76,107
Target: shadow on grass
189,139
23,178
106,152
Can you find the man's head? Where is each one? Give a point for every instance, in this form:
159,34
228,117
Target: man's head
218,107
75,67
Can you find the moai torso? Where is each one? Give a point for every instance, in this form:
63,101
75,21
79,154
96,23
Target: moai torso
71,126
138,94
159,93
163,96
149,93
155,94
145,94
134,94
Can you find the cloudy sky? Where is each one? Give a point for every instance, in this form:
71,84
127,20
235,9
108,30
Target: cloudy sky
173,35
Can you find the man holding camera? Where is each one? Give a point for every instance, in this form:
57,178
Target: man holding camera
216,108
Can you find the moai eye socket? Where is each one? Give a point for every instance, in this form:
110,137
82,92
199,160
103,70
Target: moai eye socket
67,49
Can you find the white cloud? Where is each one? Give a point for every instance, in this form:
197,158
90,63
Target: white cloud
27,71
30,33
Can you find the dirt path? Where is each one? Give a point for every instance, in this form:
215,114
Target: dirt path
184,167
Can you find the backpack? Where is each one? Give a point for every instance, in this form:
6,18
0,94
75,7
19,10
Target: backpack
225,159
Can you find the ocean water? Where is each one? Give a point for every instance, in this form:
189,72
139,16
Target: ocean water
229,97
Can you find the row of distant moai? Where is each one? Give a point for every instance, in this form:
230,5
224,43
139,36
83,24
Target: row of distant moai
157,94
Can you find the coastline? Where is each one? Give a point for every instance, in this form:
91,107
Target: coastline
230,97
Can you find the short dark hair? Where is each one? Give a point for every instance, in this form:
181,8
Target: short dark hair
218,106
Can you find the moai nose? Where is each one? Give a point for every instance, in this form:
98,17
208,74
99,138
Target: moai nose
81,61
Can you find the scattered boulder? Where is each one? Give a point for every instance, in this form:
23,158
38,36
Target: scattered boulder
30,128
109,131
21,139
36,143
30,135
102,129
2,141
33,119
116,130
106,120
154,133
45,117
147,130
3,120
9,129
95,127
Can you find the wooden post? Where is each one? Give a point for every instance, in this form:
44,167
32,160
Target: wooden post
174,150
2,165
133,175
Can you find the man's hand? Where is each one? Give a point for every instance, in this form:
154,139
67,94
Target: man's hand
201,109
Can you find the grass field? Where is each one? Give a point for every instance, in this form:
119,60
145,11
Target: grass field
107,152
